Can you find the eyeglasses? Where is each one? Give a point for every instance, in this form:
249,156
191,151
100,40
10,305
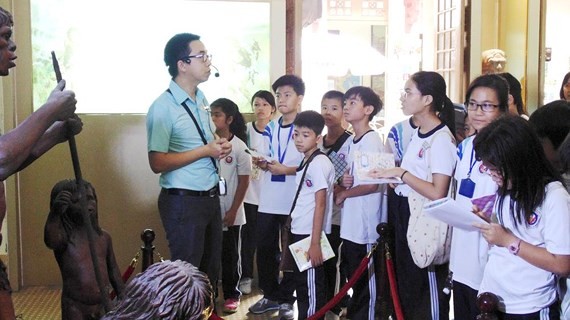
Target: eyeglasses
486,107
205,57
492,170
405,94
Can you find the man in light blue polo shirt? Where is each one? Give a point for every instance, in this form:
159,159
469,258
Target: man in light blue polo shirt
183,149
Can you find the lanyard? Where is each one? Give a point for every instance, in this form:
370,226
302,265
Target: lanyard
471,163
281,157
201,131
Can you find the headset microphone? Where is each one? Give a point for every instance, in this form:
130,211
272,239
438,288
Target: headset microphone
217,74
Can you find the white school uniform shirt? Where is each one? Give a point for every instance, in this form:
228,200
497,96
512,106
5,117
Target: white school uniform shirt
276,197
360,215
442,155
522,287
343,154
255,142
320,175
237,163
469,250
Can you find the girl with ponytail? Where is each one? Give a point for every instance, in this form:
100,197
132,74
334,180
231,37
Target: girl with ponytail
426,170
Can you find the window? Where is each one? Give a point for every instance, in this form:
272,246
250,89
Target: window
448,32
111,52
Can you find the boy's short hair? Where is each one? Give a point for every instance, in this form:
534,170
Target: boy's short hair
292,80
334,94
310,119
368,97
552,121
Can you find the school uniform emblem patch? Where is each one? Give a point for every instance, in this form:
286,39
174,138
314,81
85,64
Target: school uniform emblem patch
533,219
421,153
229,159
309,183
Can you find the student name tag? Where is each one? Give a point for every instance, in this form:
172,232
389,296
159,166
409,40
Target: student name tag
466,188
278,177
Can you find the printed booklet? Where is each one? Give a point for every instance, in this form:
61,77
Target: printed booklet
300,250
367,162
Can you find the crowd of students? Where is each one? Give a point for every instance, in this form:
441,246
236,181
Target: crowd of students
522,255
241,188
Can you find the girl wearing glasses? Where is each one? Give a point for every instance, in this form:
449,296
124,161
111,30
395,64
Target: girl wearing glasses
528,230
426,170
486,100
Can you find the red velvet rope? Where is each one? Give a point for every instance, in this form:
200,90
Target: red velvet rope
356,275
336,299
394,289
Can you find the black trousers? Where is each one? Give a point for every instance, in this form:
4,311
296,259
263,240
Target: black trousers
310,286
193,228
464,302
231,266
248,243
268,255
551,312
362,304
420,290
335,273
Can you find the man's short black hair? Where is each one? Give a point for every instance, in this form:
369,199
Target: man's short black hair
310,119
290,80
177,48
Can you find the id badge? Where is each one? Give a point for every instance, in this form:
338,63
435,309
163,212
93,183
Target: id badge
222,187
278,177
466,188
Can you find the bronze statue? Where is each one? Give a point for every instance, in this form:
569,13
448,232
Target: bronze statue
66,234
493,61
168,290
51,124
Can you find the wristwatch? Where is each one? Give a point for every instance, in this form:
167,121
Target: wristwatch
515,247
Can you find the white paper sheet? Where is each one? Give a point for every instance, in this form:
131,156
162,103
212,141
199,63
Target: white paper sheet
448,211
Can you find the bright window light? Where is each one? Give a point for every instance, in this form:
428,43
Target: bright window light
111,52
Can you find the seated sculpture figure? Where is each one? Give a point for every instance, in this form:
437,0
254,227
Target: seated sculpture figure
65,233
169,290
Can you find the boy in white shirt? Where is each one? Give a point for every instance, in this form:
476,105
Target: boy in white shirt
276,198
335,145
362,203
312,210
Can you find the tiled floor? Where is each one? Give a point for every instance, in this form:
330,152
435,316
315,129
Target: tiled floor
43,303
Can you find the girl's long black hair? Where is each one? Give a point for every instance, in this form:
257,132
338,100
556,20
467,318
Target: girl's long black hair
237,127
512,146
432,83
